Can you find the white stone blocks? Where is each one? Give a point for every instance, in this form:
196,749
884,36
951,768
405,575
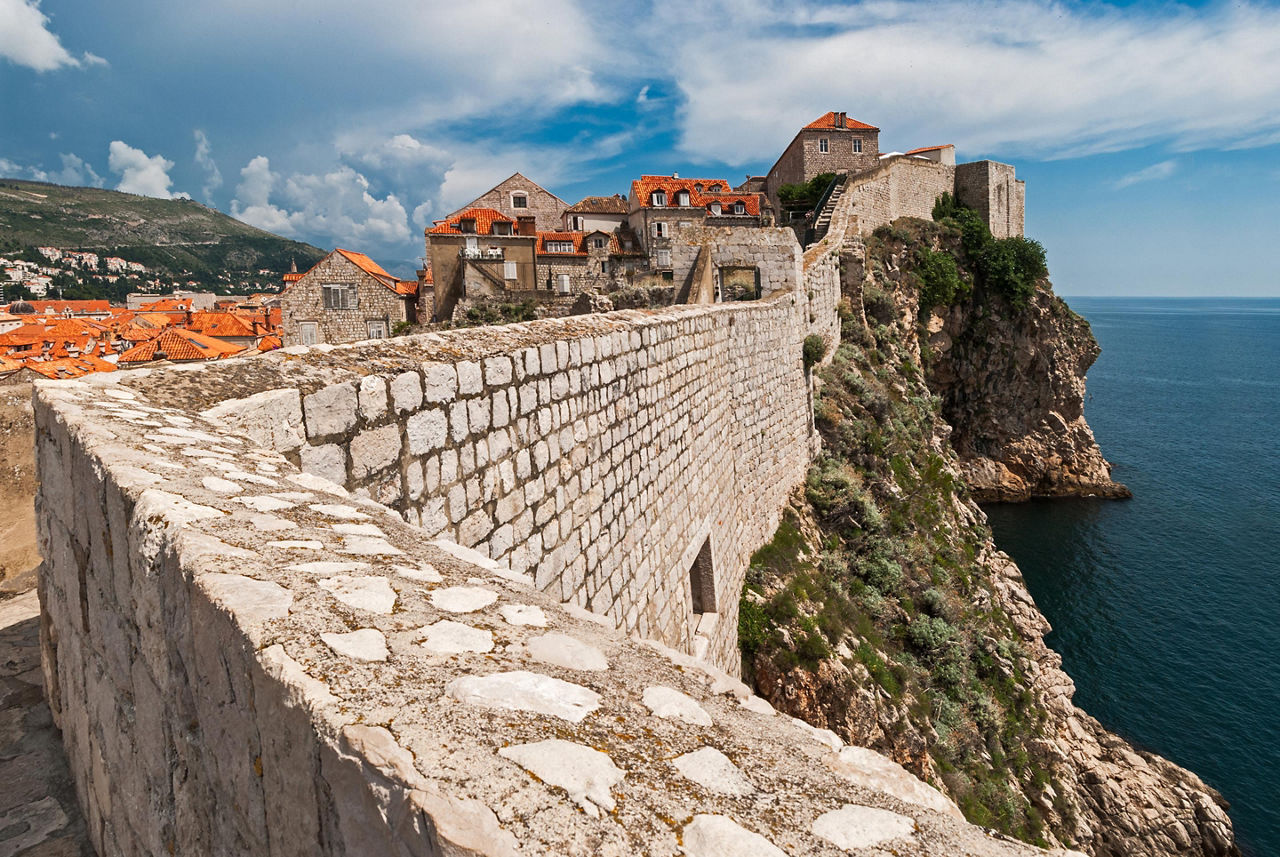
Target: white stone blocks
426,431
440,382
470,378
406,392
497,371
330,410
375,450
373,398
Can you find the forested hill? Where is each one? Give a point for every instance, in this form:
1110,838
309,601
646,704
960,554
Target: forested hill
178,237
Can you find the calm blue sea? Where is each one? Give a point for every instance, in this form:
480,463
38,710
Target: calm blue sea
1166,607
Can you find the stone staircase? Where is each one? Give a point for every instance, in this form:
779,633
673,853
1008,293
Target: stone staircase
823,221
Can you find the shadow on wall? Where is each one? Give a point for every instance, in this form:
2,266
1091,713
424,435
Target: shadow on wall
19,554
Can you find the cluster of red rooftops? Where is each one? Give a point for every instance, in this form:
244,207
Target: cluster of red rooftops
535,241
68,339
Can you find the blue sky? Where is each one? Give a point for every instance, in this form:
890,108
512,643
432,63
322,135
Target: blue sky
1148,133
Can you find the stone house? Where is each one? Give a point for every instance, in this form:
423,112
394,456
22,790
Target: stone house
944,154
480,253
832,143
572,262
604,213
519,196
661,207
345,297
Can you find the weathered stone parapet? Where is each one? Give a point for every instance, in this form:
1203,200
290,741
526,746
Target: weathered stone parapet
247,659
601,454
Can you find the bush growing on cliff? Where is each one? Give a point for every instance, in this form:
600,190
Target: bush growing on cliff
1007,266
814,349
940,280
891,594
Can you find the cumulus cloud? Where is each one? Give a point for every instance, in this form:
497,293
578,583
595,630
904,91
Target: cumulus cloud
1155,172
26,40
1034,78
75,172
333,208
140,173
204,160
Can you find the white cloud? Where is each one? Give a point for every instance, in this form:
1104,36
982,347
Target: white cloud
335,208
140,173
1039,78
75,172
1155,172
205,161
25,39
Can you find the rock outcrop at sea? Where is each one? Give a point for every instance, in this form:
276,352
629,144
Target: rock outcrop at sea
1012,384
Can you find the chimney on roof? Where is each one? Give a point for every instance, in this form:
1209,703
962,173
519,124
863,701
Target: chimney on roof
840,119
675,175
526,224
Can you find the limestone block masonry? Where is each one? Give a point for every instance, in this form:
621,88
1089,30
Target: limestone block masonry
246,659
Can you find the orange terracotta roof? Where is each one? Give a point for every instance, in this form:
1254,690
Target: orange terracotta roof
168,305
364,263
577,239
76,307
924,149
750,202
828,120
71,367
615,204
484,218
428,277
179,344
643,188
8,365
153,320
269,343
220,324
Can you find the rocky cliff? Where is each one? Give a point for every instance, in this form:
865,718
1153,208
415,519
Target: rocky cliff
1012,388
882,609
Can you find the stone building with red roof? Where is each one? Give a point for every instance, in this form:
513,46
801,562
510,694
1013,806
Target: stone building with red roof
345,297
890,185
660,208
519,196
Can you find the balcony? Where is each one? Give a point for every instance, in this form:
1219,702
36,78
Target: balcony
489,253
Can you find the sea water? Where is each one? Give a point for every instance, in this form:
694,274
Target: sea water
1166,607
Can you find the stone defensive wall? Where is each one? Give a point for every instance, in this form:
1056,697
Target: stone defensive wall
315,602
898,187
248,659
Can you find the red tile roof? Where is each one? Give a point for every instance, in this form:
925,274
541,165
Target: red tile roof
364,263
168,305
828,120
642,188
220,324
269,343
577,239
615,204
76,307
484,218
179,344
924,149
71,367
750,201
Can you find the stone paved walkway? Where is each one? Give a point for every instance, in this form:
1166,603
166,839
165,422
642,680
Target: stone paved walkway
39,815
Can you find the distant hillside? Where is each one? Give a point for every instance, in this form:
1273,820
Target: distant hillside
173,236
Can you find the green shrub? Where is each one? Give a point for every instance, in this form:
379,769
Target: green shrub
940,280
814,349
753,627
928,634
